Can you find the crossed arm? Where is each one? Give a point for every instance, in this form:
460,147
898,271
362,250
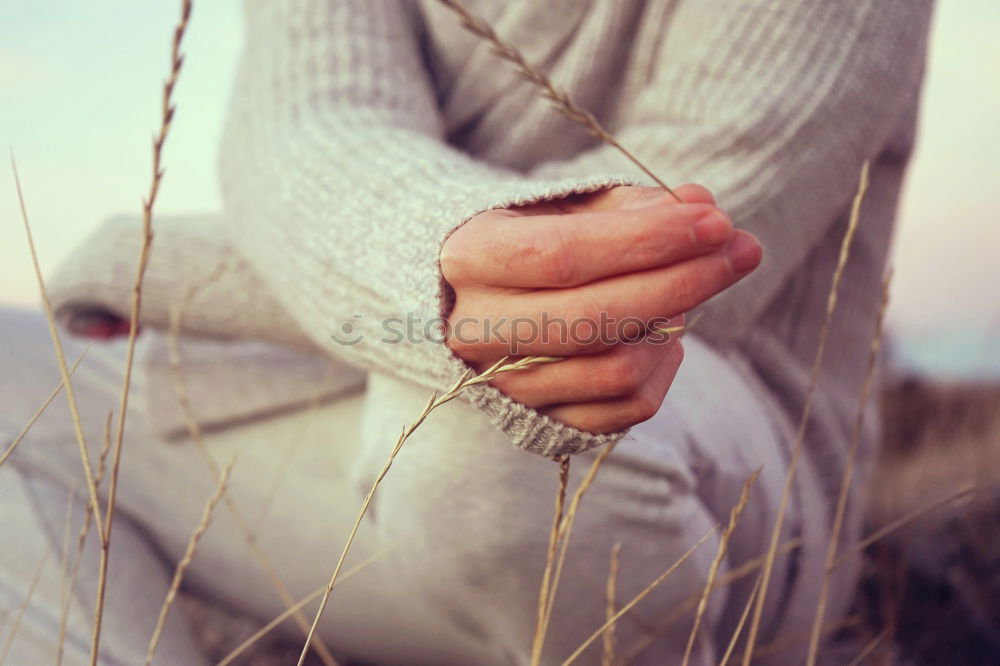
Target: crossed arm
323,119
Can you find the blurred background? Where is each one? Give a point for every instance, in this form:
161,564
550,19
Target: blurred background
79,95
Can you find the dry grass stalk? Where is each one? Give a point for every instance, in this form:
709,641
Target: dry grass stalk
102,457
193,425
639,597
848,476
291,610
185,562
23,607
435,401
782,643
292,449
690,603
713,571
550,558
750,566
560,99
65,559
81,540
166,118
564,103
565,529
870,647
831,307
610,605
739,625
38,413
908,518
81,440
67,528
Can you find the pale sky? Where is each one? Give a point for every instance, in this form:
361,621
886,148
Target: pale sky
79,98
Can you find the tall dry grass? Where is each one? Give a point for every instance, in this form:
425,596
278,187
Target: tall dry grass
291,611
185,561
847,479
435,401
81,541
659,580
713,571
734,639
565,105
831,308
19,615
7,452
561,100
60,357
611,607
564,516
166,120
193,425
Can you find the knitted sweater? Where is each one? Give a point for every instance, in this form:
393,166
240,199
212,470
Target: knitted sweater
363,132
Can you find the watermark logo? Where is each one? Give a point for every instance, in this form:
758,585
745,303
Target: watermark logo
513,333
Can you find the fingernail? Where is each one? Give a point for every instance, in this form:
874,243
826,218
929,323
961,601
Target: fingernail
744,253
713,229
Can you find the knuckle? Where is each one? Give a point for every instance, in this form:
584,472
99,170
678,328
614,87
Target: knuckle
685,292
647,243
462,256
588,313
457,258
556,259
464,342
579,325
557,269
555,332
620,376
642,408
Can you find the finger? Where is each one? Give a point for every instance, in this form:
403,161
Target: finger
618,197
586,320
608,416
618,373
558,251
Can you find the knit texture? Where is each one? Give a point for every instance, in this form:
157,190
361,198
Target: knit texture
363,132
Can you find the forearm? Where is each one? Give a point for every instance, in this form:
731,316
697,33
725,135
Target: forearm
340,190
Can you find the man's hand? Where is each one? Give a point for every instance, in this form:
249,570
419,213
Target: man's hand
586,278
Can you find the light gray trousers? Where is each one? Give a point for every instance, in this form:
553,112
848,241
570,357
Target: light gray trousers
458,529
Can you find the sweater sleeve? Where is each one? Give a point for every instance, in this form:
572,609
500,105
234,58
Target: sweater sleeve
774,107
339,190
